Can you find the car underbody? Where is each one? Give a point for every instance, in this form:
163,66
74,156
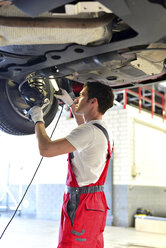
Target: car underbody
120,43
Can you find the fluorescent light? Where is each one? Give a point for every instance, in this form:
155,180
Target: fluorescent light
54,83
163,83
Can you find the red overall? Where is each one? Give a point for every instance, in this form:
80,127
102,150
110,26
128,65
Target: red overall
85,229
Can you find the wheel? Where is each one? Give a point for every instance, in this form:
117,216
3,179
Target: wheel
13,109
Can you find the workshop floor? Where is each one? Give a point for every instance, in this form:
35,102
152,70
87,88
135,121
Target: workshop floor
35,233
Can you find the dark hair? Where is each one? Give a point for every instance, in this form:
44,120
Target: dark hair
103,93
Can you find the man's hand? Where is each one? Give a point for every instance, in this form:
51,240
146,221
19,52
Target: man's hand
36,114
65,97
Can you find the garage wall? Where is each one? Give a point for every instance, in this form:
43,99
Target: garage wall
118,121
149,159
148,183
139,177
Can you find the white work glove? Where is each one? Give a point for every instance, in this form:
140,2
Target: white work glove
36,114
65,97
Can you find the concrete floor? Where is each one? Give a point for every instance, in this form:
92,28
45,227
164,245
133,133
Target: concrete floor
35,233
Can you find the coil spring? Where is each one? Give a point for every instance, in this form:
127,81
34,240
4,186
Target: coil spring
37,82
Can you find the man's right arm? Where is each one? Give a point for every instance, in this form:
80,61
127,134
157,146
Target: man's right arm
47,147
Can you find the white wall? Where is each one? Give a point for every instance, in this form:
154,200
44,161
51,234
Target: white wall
139,153
147,144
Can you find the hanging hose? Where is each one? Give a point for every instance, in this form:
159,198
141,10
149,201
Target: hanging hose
31,179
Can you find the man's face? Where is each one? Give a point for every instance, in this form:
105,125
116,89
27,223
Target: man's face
82,103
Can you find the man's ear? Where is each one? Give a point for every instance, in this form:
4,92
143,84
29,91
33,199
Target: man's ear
94,100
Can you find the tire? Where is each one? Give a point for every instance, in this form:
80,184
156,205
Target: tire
13,109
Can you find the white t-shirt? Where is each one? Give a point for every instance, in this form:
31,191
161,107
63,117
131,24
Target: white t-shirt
91,151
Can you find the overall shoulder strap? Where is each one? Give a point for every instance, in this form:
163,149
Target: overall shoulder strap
71,156
103,130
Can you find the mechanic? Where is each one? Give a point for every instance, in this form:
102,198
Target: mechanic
84,207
